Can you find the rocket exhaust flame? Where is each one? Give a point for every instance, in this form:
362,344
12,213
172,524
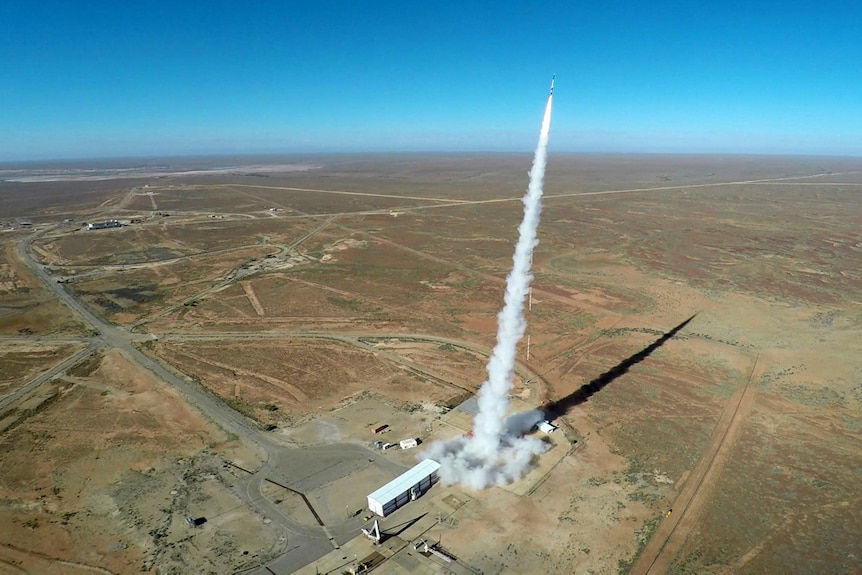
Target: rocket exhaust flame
498,453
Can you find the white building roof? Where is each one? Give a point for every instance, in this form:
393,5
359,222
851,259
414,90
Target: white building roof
547,427
405,481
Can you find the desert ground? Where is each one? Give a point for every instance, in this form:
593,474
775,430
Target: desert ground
695,329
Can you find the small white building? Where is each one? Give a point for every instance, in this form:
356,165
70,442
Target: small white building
407,487
547,427
408,443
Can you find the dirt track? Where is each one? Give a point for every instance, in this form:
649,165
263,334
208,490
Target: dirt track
360,340
668,539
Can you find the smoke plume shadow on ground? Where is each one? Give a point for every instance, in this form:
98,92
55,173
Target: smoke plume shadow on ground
562,406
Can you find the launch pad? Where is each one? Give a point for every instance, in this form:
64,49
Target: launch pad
459,421
438,510
423,520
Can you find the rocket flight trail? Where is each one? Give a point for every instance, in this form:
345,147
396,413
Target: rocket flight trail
498,451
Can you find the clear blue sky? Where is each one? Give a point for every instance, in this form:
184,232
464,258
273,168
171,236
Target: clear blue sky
96,79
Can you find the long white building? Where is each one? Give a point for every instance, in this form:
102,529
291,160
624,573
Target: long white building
406,487
104,225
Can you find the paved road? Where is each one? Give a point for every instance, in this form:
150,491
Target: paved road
61,367
300,469
304,543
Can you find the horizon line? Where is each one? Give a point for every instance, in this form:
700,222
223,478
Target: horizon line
239,155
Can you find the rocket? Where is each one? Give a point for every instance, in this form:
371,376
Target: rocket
554,77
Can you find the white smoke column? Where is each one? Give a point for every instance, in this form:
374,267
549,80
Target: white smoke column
498,453
493,396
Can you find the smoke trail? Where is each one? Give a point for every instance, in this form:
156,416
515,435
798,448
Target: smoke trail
498,452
